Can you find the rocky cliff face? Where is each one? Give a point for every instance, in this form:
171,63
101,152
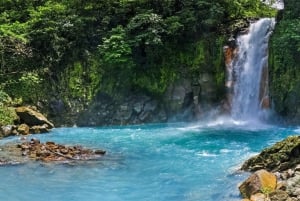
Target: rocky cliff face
184,100
198,92
198,87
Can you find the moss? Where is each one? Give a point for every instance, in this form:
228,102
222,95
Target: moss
156,82
81,79
75,79
281,156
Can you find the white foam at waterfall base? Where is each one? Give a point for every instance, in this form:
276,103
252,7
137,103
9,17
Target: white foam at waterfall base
247,70
226,122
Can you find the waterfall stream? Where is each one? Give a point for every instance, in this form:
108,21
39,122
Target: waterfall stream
250,71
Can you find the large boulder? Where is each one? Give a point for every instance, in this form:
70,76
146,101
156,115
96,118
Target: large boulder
31,117
23,129
261,181
281,156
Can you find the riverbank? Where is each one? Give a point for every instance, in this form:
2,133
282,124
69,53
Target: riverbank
27,120
277,173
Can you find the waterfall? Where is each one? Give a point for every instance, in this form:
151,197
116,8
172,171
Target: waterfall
249,72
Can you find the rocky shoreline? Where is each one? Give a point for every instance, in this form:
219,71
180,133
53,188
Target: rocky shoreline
34,150
276,170
277,173
30,121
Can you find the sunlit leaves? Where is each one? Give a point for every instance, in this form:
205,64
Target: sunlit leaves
116,59
128,38
115,48
147,28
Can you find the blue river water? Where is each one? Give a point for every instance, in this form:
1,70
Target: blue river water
158,162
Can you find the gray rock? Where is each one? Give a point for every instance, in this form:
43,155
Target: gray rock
279,195
176,94
138,107
293,185
7,130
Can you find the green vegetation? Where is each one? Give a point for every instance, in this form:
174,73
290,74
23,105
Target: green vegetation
7,114
285,61
77,48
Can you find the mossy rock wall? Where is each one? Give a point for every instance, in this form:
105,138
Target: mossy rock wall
84,96
284,62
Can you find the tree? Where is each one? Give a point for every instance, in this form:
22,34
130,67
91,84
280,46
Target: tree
116,59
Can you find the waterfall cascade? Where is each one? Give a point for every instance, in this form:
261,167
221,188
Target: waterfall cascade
249,71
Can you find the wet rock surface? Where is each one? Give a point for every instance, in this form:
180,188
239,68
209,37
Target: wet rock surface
281,156
34,150
282,160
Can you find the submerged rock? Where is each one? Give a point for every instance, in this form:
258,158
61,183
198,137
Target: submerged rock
46,152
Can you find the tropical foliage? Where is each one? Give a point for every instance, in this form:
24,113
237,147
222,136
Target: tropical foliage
78,47
285,60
